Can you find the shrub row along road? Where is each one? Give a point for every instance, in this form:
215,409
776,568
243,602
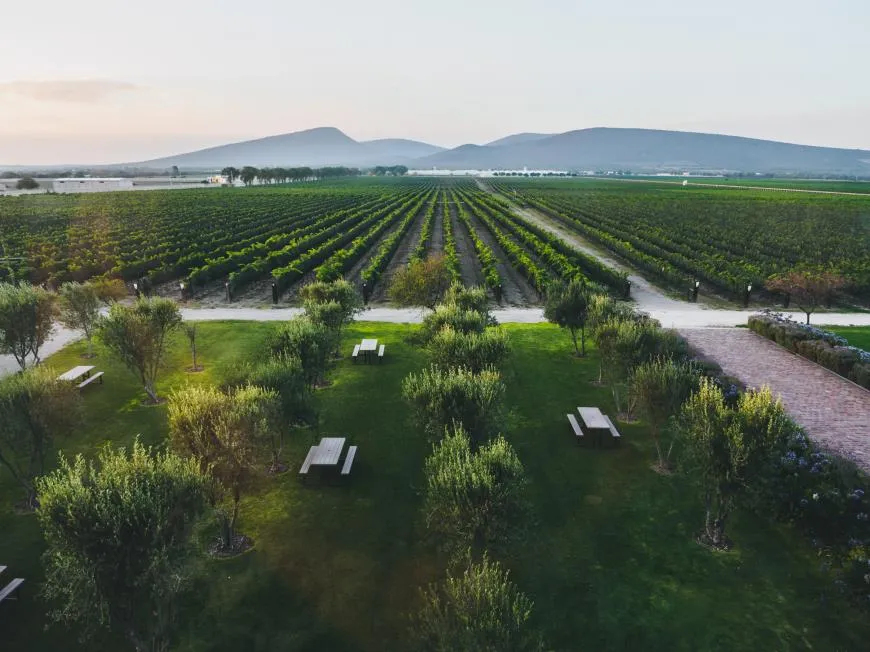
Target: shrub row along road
680,319
834,411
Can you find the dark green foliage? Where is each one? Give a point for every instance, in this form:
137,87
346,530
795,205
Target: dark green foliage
727,449
35,409
481,610
658,389
309,342
474,499
26,314
474,351
138,335
461,321
440,398
567,306
117,534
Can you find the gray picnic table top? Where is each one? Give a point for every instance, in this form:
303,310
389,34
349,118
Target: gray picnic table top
328,451
368,345
75,373
593,418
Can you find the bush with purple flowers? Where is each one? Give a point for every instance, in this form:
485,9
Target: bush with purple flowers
826,497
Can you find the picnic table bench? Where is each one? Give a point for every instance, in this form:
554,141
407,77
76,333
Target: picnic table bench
575,426
328,453
348,461
90,379
597,424
7,591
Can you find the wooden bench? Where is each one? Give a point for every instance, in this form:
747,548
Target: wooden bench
355,354
381,352
575,426
307,463
613,430
348,461
9,589
88,381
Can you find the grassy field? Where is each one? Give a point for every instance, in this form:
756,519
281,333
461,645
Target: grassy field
610,561
856,335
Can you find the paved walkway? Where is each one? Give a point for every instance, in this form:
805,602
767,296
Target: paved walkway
835,412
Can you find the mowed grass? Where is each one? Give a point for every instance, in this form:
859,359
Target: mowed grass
609,560
856,335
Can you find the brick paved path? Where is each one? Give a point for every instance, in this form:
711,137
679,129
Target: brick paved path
835,413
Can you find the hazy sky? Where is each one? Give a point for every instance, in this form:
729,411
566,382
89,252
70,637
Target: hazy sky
95,81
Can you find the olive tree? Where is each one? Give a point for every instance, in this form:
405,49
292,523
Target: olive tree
117,534
459,319
659,387
567,306
138,335
224,431
726,449
474,351
34,409
474,499
340,292
26,321
80,309
311,343
421,282
479,610
440,398
284,376
472,298
190,331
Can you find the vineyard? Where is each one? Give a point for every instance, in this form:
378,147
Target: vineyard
242,241
727,239
236,244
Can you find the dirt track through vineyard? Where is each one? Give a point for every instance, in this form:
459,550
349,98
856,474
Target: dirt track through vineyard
468,263
400,257
516,290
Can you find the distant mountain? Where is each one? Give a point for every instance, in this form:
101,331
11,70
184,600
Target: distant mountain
638,150
319,147
396,148
651,150
517,139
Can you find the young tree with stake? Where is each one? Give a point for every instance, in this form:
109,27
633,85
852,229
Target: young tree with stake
26,321
138,334
80,310
567,306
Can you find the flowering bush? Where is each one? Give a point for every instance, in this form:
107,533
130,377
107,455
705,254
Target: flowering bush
827,498
822,347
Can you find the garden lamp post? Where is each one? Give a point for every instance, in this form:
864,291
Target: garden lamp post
695,291
748,291
227,288
274,292
136,289
181,287
627,288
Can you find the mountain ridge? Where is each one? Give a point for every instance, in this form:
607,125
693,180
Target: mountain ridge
597,148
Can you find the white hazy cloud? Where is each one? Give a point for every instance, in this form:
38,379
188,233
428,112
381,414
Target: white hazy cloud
70,90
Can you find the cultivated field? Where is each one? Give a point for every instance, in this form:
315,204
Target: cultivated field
725,238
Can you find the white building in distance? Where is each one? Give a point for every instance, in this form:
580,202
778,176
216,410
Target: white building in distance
92,184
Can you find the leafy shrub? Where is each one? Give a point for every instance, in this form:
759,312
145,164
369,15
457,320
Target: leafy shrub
826,497
474,351
474,499
441,398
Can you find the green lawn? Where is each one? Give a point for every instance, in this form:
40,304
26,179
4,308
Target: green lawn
610,560
856,335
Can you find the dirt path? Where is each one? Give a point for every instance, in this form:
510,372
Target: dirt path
834,411
646,295
436,243
400,257
516,290
468,263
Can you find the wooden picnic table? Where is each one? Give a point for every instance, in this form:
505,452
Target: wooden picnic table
595,422
76,372
328,451
368,346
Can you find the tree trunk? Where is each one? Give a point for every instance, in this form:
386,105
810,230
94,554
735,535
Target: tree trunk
152,393
193,348
574,339
808,317
90,347
583,341
659,450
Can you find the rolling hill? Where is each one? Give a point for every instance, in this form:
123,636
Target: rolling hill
638,150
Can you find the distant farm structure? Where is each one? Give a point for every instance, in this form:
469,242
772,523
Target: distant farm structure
91,184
